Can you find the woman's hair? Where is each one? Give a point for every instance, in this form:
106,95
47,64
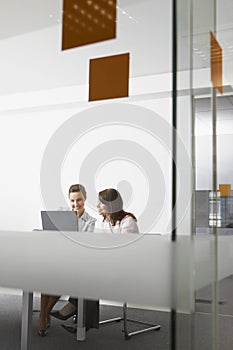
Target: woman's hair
78,188
114,204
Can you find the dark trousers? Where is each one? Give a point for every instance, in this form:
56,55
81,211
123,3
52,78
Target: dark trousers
91,312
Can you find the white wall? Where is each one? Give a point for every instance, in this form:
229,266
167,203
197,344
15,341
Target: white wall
145,178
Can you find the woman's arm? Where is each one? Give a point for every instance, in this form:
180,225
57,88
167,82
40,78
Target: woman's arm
90,226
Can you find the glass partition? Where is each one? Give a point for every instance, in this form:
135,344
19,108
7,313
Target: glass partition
156,140
196,329
225,183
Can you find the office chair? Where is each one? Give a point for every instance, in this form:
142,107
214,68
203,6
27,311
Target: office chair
125,320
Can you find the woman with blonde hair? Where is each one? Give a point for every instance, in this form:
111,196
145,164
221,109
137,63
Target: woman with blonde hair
86,223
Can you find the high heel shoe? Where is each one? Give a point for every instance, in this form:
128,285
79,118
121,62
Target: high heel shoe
42,332
43,328
69,328
58,315
72,328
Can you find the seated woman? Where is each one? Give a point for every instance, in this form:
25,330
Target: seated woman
115,220
77,196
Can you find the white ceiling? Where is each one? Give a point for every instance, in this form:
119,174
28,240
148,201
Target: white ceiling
224,104
20,17
24,16
35,61
224,115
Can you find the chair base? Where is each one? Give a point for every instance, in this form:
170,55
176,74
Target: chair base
151,327
111,320
128,335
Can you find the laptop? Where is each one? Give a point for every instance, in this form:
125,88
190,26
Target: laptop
59,220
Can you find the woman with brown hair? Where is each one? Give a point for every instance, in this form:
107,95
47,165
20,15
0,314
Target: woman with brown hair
115,218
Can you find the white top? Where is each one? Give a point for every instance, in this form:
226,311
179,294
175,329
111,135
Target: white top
127,225
86,223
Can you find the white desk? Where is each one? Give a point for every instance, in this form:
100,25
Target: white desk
136,268
131,267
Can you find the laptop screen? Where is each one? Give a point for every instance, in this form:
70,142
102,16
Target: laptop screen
59,220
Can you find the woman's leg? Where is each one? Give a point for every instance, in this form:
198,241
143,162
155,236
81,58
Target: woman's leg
42,323
46,305
52,301
91,310
67,311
